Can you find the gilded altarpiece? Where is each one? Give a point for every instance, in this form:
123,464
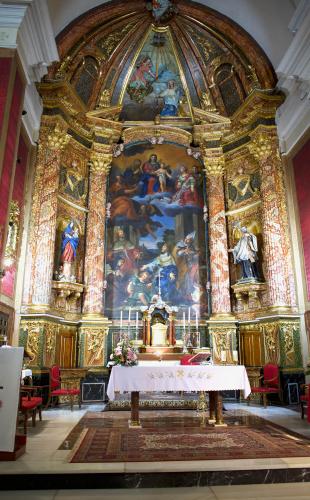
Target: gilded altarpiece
158,145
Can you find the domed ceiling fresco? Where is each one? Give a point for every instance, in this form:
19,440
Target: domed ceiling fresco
160,58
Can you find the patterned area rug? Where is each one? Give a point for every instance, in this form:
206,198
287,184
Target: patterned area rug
105,437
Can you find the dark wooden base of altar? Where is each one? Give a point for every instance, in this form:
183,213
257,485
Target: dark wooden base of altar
215,408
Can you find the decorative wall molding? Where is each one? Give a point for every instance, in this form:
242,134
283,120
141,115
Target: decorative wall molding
294,80
11,17
36,41
25,25
31,120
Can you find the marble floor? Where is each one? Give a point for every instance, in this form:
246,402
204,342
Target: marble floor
43,457
42,454
243,492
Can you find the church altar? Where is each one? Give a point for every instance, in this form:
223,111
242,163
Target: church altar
168,377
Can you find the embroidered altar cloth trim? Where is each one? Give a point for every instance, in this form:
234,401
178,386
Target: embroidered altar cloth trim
178,378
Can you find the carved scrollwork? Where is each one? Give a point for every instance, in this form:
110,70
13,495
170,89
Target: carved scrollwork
33,338
94,350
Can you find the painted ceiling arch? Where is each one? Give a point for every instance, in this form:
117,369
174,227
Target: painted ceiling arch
212,61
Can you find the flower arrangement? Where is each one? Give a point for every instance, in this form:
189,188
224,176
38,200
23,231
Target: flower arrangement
124,353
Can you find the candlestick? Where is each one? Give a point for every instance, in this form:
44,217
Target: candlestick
198,339
129,321
137,324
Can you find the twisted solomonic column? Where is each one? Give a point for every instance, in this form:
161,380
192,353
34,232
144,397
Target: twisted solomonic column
277,247
44,216
95,233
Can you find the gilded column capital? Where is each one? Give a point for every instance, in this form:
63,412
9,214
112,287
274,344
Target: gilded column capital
57,139
101,163
262,145
214,161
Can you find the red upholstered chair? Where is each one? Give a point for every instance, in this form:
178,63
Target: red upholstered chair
29,404
305,400
271,383
59,388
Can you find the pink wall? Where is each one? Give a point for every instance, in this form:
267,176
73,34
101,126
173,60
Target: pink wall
301,163
8,282
10,146
5,68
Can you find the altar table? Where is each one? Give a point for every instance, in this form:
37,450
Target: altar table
198,378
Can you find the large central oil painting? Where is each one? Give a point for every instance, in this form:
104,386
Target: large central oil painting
156,234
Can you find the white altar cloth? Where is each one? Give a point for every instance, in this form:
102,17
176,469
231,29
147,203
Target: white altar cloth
177,378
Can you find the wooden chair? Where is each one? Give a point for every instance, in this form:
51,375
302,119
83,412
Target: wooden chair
65,388
29,405
271,383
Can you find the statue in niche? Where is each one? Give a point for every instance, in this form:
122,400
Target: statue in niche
242,187
245,253
69,243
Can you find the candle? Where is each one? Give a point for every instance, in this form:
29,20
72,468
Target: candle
235,356
137,324
189,314
184,324
223,356
198,339
121,321
129,313
196,321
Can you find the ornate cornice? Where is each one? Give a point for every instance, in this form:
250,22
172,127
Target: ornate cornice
210,135
166,133
258,104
